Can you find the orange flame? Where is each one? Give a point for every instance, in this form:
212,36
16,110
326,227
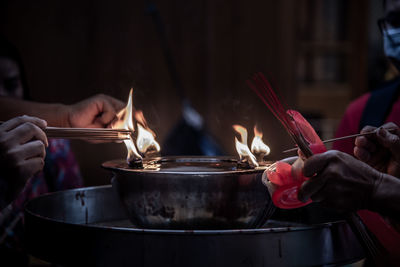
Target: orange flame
258,147
139,117
242,148
145,136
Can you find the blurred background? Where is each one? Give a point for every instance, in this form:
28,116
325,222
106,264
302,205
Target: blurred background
318,54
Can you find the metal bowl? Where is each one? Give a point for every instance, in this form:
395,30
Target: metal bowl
192,193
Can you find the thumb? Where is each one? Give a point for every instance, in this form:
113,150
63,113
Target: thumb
107,115
389,141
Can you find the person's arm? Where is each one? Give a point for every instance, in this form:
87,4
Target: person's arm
54,114
95,112
385,198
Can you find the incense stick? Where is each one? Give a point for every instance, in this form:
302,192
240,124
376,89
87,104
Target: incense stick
342,138
98,134
105,134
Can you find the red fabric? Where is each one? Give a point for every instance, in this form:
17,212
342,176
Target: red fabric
349,124
384,232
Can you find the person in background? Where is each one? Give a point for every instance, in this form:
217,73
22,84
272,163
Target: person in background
383,104
31,164
97,111
370,185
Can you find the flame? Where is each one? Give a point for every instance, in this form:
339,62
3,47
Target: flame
145,140
139,117
242,148
258,146
124,116
124,121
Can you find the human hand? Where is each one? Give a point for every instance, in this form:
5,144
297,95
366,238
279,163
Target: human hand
22,151
95,112
339,180
380,150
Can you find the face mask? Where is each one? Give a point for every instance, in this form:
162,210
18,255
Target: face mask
391,46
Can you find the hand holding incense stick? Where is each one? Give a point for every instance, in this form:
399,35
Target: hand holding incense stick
343,138
309,143
94,134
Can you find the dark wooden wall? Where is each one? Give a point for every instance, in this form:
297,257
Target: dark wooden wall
74,49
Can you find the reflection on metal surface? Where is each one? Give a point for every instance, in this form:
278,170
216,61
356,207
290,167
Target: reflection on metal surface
60,230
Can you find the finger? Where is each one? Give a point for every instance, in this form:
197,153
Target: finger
368,129
32,166
379,159
318,194
32,149
366,143
317,163
107,115
362,154
301,154
297,169
13,123
113,122
26,132
392,126
116,103
310,187
332,196
388,139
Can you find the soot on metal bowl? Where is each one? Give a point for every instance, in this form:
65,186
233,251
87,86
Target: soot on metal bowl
192,193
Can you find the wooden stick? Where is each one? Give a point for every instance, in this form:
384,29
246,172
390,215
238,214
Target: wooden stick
343,138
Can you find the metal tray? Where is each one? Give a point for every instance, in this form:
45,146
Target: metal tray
89,227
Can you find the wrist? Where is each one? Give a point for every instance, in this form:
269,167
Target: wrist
63,112
55,114
385,196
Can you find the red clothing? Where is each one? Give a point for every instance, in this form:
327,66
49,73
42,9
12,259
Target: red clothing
61,172
384,232
351,121
349,124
